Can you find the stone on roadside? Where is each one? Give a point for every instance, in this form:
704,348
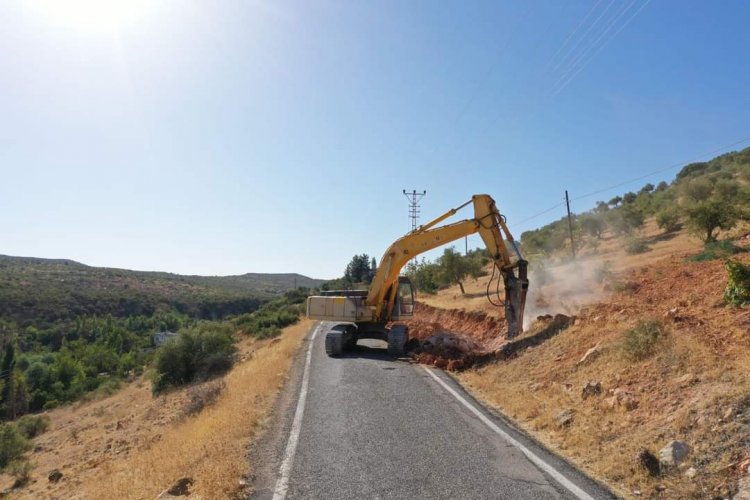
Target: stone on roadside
564,418
673,453
728,414
591,388
55,475
591,354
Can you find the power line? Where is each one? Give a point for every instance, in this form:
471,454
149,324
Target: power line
516,224
620,184
665,169
595,43
569,71
583,37
606,42
572,34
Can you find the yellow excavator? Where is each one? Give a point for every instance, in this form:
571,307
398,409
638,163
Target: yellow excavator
361,314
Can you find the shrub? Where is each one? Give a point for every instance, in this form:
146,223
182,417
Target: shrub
268,321
668,220
195,354
21,471
12,444
737,291
717,250
635,246
641,341
32,425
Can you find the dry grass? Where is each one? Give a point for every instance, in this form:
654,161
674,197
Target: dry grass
134,446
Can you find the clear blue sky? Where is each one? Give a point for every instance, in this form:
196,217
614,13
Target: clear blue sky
229,137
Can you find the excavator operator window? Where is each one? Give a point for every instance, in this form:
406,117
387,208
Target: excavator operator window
405,297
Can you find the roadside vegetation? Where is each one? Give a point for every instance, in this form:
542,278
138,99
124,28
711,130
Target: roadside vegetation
451,268
69,331
206,349
707,198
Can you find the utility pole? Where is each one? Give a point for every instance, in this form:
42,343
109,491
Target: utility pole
414,198
570,225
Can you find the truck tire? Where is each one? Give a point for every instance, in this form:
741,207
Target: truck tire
398,336
334,343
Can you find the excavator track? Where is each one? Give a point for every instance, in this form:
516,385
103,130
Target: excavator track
398,336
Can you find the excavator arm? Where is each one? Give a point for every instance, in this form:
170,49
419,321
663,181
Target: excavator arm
490,224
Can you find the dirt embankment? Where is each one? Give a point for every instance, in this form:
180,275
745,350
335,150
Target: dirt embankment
582,391
457,339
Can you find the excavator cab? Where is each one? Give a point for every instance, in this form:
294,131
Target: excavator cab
404,307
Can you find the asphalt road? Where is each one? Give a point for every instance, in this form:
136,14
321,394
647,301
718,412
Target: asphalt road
374,427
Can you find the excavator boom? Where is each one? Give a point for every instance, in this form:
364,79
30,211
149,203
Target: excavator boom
490,225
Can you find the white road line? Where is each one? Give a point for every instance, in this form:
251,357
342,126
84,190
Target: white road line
575,490
282,485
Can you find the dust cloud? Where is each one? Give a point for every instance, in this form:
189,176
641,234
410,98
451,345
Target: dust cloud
565,287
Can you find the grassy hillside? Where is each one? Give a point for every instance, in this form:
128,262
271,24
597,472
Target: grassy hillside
43,291
67,329
707,198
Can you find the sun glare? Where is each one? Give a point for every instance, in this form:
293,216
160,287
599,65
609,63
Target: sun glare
94,16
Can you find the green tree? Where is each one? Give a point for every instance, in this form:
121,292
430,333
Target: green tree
454,267
648,188
69,376
615,201
633,217
726,189
629,197
424,275
592,224
7,372
668,220
698,189
706,217
358,270
625,219
662,186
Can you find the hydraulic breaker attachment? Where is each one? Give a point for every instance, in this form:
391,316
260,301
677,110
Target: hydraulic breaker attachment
516,288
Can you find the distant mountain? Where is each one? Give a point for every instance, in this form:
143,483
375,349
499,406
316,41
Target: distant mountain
34,289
